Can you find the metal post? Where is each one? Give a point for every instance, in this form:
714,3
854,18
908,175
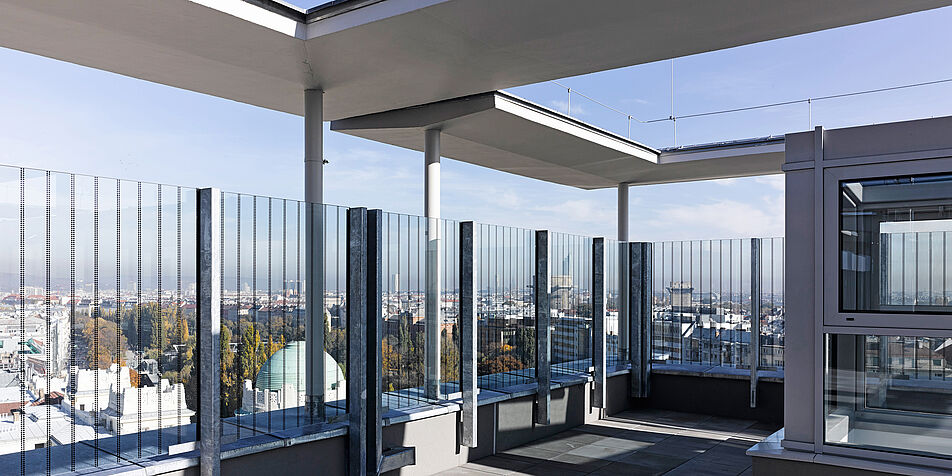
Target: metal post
433,319
543,330
640,316
209,321
314,252
624,343
374,296
357,340
366,361
467,331
598,323
754,317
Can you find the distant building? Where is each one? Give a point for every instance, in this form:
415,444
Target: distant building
118,406
571,339
562,291
681,296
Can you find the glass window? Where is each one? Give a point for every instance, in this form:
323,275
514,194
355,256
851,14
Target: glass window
896,245
889,393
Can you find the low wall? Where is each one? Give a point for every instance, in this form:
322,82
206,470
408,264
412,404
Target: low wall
508,423
725,396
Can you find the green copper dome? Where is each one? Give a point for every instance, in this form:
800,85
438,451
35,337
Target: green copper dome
289,366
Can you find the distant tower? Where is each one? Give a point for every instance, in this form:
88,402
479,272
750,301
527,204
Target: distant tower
681,296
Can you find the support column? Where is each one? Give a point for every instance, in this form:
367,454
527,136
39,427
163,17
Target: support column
467,332
754,318
357,378
314,252
598,324
433,314
543,330
623,284
209,323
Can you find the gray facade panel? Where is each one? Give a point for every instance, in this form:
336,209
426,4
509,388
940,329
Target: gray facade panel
892,138
799,389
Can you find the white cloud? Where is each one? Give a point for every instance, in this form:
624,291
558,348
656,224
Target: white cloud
562,106
721,219
774,181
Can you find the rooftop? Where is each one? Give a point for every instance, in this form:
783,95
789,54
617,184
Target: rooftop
633,442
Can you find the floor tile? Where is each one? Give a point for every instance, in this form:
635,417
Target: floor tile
637,442
531,452
497,464
582,463
601,452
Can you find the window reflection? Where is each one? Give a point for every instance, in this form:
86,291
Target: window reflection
896,244
890,393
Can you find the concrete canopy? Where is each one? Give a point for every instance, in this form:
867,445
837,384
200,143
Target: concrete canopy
503,132
379,55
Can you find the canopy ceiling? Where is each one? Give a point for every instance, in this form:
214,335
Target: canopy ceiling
379,55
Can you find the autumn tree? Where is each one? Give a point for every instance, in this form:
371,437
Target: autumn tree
524,342
499,364
249,353
106,353
449,357
230,385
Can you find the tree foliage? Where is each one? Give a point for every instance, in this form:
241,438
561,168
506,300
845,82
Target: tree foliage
105,354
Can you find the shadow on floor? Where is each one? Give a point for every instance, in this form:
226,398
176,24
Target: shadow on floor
637,442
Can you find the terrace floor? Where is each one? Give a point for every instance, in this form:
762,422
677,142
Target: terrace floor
638,442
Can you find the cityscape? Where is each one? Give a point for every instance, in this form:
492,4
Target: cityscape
524,277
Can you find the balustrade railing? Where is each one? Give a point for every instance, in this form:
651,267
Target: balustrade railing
100,333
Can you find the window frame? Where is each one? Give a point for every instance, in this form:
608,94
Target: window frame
833,315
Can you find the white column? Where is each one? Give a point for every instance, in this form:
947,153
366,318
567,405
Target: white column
314,250
433,317
623,275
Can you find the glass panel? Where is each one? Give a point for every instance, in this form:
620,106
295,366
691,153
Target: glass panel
505,353
889,393
894,244
570,302
701,302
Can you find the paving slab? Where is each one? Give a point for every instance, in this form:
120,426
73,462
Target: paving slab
636,443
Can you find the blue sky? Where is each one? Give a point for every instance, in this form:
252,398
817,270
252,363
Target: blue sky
65,117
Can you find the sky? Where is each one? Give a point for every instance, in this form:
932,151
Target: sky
65,117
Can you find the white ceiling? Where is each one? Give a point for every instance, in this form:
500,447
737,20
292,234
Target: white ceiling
398,53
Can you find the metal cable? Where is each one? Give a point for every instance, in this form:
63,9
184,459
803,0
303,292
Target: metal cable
808,100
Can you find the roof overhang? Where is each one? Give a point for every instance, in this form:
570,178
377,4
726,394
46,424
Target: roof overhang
379,55
503,132
506,133
719,160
